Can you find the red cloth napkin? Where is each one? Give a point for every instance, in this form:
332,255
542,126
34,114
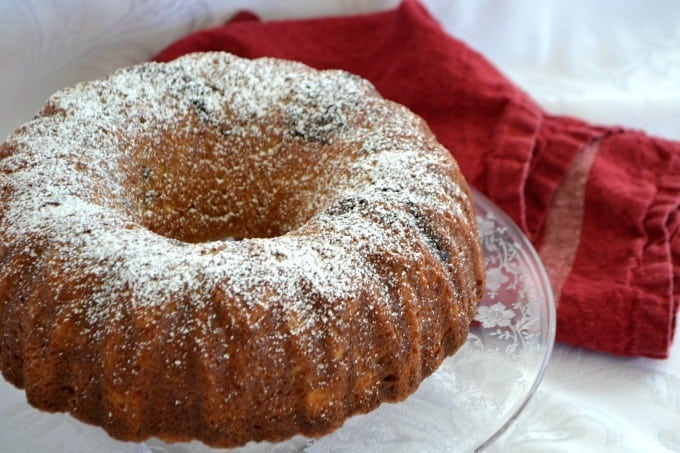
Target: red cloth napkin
600,204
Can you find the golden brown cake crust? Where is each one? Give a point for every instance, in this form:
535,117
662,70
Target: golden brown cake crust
358,272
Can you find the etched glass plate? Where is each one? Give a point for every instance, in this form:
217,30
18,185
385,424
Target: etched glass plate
469,401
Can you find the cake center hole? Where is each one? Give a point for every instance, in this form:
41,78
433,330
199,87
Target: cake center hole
212,187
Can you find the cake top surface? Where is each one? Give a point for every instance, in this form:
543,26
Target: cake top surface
68,203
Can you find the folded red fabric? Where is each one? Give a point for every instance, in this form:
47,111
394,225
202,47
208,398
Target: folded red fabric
600,204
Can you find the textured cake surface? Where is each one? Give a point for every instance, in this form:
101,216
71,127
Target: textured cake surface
355,271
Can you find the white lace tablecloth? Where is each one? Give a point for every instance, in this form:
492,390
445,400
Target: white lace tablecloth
611,62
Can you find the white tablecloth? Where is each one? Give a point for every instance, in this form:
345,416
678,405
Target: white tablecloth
612,62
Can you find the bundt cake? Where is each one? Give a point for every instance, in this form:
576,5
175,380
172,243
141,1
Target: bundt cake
229,250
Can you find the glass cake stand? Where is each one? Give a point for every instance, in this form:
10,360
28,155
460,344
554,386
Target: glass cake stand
467,403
